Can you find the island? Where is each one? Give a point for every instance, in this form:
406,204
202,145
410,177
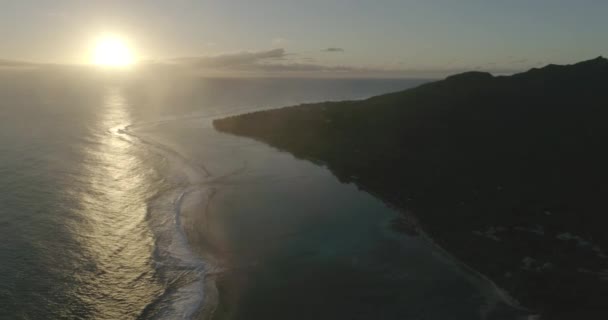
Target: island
509,174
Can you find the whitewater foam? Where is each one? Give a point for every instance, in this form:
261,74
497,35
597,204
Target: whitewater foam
189,293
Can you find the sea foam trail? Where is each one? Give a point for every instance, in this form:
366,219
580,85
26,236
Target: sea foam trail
197,294
188,293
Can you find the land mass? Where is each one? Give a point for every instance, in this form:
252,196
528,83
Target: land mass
507,173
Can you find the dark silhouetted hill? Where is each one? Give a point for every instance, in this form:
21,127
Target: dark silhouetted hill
509,174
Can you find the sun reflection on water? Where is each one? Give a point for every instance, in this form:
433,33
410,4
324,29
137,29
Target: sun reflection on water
117,237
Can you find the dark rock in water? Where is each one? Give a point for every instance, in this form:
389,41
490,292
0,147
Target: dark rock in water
508,173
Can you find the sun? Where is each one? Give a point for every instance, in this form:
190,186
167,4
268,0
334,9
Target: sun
112,51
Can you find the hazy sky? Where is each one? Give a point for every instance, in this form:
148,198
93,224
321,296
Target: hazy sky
401,36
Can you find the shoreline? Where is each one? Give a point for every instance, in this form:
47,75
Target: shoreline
196,202
193,213
207,304
476,276
502,171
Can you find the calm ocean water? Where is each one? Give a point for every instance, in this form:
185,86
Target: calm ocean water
119,201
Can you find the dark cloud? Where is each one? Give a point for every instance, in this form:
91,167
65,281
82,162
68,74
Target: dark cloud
232,59
279,62
305,67
275,61
333,49
13,63
16,64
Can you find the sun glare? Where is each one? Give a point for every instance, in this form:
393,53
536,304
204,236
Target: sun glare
111,51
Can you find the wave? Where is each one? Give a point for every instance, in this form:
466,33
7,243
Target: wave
189,293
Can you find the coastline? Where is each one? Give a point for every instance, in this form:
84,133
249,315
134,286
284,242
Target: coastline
503,172
180,246
193,217
500,294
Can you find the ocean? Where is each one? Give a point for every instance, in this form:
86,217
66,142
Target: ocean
118,200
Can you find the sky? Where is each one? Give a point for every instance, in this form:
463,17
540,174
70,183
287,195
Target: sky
382,37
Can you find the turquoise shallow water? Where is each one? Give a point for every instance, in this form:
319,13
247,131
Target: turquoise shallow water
291,241
119,201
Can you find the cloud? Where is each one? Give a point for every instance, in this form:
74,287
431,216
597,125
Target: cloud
232,60
16,64
333,49
280,63
276,62
305,67
13,63
269,62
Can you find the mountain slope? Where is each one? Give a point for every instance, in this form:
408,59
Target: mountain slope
507,173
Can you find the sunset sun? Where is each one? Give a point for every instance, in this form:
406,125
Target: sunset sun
112,51
345,160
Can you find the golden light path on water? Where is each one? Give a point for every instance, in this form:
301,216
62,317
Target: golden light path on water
117,236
